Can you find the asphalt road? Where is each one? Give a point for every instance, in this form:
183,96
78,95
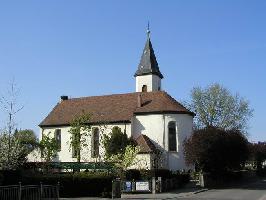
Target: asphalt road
251,191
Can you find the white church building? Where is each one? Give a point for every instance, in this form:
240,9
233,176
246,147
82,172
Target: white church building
149,115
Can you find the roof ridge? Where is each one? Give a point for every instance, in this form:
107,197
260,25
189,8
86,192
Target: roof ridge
113,107
175,101
107,95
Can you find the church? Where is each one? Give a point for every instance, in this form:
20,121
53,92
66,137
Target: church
154,119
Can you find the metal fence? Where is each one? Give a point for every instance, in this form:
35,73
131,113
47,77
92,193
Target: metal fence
29,192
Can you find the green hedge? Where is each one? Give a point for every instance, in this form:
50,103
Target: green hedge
82,184
88,184
10,177
77,185
261,172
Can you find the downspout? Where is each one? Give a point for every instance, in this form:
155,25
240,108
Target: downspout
125,130
164,131
42,130
164,140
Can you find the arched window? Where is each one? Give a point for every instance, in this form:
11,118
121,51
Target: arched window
95,142
172,136
57,136
144,88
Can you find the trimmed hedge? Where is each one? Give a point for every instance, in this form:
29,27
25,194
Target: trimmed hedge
77,185
261,172
89,184
11,177
83,184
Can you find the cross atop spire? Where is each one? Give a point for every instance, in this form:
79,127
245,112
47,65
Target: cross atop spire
148,30
148,63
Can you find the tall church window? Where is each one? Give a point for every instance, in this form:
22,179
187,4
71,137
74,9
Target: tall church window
57,136
172,136
144,88
74,149
95,143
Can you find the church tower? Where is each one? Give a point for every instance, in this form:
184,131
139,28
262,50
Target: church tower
148,76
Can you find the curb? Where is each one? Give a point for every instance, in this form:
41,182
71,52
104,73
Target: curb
199,191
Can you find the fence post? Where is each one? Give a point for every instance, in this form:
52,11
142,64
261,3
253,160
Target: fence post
57,189
41,190
20,191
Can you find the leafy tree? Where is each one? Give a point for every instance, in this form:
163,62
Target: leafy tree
49,148
158,159
120,150
10,152
27,139
124,160
116,142
216,150
79,131
215,106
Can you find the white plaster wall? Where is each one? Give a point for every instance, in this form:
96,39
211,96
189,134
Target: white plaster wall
156,128
150,125
152,81
184,125
65,155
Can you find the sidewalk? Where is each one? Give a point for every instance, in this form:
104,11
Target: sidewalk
179,193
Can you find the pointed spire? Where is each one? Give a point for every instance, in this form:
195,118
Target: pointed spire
148,63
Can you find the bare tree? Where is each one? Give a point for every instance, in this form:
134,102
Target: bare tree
9,104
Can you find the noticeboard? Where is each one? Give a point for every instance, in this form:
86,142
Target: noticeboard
128,186
142,186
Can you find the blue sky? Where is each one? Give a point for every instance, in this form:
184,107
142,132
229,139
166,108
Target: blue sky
83,48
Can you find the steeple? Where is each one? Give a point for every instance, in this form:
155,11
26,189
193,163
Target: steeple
148,63
148,75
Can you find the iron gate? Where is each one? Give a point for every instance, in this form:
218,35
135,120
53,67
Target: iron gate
29,192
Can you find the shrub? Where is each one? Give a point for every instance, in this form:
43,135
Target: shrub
133,174
261,172
257,154
10,177
215,150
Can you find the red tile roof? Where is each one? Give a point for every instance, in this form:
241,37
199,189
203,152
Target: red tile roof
113,108
146,145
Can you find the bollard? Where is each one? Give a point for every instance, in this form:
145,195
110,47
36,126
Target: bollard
160,184
57,189
116,188
153,183
20,191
